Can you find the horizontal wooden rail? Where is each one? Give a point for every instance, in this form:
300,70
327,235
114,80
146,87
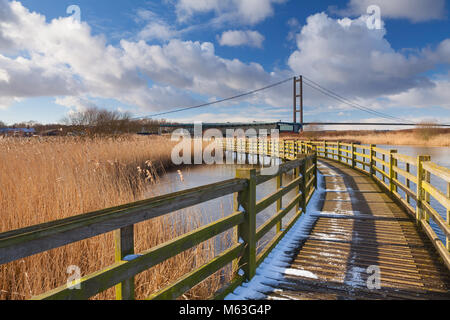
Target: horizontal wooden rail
120,271
28,241
390,172
32,240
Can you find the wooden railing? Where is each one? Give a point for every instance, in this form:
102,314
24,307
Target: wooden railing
384,167
18,244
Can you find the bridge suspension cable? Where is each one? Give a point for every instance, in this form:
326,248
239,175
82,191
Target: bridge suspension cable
314,85
218,101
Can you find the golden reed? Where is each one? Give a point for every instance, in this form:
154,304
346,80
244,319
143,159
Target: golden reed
48,179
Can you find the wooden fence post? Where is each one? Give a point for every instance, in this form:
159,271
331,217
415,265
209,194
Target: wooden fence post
448,216
391,170
303,170
315,170
339,151
372,162
427,178
325,149
420,192
124,246
246,201
353,155
279,202
408,183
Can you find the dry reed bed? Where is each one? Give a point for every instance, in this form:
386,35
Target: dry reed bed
49,179
385,138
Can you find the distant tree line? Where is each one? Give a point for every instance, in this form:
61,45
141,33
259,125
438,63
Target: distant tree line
95,121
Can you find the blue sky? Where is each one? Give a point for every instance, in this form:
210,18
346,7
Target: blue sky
147,57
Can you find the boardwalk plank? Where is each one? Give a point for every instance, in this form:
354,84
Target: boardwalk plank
360,226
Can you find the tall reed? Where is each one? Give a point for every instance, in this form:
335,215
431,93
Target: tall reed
43,180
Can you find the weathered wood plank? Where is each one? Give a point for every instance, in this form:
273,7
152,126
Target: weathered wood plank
193,278
269,224
123,270
271,199
437,194
22,243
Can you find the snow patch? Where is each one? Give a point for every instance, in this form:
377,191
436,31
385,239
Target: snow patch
301,273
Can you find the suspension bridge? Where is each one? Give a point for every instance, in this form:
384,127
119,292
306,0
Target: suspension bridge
298,123
360,222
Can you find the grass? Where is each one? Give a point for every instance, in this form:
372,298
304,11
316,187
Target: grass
48,179
415,137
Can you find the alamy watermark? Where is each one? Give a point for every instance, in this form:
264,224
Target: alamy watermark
374,279
219,148
374,19
74,279
75,13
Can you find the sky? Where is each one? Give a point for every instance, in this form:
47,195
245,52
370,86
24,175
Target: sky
58,57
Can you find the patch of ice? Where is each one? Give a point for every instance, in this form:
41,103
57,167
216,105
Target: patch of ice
301,273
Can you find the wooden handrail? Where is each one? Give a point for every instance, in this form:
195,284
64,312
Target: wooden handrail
423,209
21,243
32,240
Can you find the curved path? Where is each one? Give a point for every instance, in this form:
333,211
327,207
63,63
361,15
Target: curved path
356,233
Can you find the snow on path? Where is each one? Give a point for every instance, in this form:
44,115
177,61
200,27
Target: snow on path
271,272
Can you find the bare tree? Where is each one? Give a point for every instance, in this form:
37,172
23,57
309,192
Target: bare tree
427,129
100,121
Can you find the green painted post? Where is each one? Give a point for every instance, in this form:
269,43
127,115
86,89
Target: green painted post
279,202
325,149
315,170
391,170
339,151
353,155
246,200
124,246
427,178
372,162
420,192
448,216
303,185
408,183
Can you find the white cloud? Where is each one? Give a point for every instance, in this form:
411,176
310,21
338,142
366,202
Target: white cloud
244,11
234,38
156,28
78,103
414,10
437,95
160,31
345,56
62,58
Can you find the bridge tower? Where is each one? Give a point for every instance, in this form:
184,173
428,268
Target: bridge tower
298,101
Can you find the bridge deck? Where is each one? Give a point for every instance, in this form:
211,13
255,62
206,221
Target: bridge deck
360,226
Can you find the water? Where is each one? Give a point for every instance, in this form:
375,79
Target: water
195,176
440,156
215,209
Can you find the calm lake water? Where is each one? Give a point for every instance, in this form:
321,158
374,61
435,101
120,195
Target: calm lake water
440,156
215,209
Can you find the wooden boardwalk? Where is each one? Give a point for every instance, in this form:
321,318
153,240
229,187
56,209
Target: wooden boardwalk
360,226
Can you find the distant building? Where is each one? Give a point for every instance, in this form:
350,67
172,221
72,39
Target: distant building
52,133
17,132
